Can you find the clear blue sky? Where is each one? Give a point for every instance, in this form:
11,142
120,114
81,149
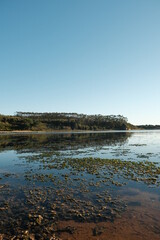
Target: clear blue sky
84,56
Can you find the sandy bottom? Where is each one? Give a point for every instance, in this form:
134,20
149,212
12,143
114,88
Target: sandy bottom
140,221
137,223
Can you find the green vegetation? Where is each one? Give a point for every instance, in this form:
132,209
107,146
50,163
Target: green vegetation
62,121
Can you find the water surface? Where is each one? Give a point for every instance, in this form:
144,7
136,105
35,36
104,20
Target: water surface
80,186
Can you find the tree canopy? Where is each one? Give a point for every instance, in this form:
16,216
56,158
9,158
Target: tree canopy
35,121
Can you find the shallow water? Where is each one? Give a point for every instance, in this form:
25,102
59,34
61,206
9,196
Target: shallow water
80,186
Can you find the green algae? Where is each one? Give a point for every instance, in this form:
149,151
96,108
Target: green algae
79,189
144,171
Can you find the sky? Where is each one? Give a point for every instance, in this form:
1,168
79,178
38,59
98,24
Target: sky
84,56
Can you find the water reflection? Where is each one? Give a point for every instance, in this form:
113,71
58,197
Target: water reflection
46,178
35,142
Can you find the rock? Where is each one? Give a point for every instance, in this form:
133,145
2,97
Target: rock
98,231
1,237
31,237
39,219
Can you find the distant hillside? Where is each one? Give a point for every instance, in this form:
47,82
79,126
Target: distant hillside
62,121
149,127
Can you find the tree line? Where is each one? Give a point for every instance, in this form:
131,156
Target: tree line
62,121
149,127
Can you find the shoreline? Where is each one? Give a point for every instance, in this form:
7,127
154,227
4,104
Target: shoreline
14,132
58,131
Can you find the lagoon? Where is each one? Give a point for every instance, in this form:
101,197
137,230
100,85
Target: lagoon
103,185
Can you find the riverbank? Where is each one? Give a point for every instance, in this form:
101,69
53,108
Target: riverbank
26,121
70,131
57,132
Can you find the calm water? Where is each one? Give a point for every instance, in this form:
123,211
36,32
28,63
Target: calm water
80,178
